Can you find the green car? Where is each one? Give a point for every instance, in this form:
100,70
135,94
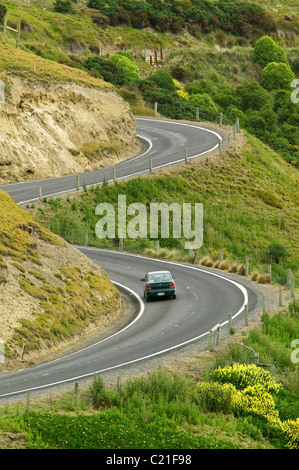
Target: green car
159,284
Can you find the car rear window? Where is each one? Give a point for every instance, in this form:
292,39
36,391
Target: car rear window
159,277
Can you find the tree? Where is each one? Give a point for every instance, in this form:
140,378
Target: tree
266,50
277,76
129,68
206,105
252,96
163,80
106,69
277,252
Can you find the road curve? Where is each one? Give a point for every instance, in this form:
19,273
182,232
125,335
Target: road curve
204,299
165,140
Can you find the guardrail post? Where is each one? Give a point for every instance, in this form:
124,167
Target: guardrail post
27,402
280,296
211,340
247,266
256,358
78,182
264,304
119,385
76,393
186,156
156,108
85,237
114,174
246,315
218,334
40,193
230,323
150,164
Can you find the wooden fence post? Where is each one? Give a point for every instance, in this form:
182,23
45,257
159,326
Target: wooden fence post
230,323
27,402
246,266
19,32
185,155
280,296
85,237
246,315
76,393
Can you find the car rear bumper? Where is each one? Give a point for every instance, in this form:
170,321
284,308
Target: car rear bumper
162,293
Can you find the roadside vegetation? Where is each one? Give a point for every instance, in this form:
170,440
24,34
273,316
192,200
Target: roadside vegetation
222,57
228,403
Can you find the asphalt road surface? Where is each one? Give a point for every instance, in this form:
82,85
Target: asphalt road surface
204,298
165,142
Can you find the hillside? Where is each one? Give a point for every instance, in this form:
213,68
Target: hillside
50,294
249,196
45,106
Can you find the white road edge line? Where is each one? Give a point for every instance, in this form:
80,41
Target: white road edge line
138,156
80,377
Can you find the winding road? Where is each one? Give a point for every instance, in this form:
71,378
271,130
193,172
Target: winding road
204,297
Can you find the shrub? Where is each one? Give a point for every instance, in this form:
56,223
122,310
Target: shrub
163,80
96,389
213,396
254,276
233,268
243,376
277,76
266,50
129,68
264,279
106,69
277,252
252,96
241,270
63,6
206,261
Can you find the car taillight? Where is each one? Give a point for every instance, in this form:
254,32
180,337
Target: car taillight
148,287
172,285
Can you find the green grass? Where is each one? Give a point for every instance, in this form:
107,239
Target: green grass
250,199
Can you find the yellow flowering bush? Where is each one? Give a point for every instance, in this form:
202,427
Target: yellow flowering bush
255,400
177,84
291,430
180,90
215,397
247,389
183,94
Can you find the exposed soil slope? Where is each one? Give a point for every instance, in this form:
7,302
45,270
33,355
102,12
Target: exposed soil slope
50,293
55,121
